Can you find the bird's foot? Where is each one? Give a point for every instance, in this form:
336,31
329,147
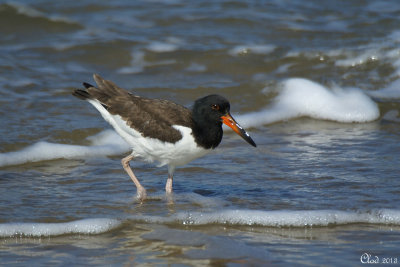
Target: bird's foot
141,194
169,197
168,191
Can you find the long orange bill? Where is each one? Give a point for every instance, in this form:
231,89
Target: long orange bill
228,120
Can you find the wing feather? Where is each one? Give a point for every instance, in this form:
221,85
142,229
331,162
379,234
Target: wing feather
151,117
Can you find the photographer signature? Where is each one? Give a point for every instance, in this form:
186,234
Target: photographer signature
367,258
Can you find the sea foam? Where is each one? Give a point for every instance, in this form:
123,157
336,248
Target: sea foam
106,143
391,91
302,97
162,47
360,59
138,62
234,217
255,49
279,218
85,226
35,13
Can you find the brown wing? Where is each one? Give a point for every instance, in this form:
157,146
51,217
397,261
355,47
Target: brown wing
151,117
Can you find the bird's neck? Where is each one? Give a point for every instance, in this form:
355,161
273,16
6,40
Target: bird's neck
207,135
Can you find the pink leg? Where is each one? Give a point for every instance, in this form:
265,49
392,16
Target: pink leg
141,192
168,185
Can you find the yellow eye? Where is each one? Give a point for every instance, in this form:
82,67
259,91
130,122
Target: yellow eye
215,107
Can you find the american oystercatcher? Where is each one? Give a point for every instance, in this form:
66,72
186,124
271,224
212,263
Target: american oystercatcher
160,130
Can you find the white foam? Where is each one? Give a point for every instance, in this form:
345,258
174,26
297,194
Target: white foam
302,97
360,59
138,62
26,10
392,115
391,91
162,47
85,226
255,49
279,218
384,51
105,143
34,13
108,138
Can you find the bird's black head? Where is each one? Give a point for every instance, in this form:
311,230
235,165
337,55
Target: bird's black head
211,111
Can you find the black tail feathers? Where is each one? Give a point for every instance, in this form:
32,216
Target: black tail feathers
82,94
87,85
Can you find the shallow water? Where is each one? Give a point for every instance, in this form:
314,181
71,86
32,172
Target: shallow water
315,84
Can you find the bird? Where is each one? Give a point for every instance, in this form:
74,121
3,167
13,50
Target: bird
160,130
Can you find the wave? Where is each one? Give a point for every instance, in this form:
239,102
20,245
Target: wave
251,48
162,47
392,91
85,226
15,8
302,218
278,218
299,97
302,97
138,62
106,143
380,51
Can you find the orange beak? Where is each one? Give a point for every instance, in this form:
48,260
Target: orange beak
228,120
